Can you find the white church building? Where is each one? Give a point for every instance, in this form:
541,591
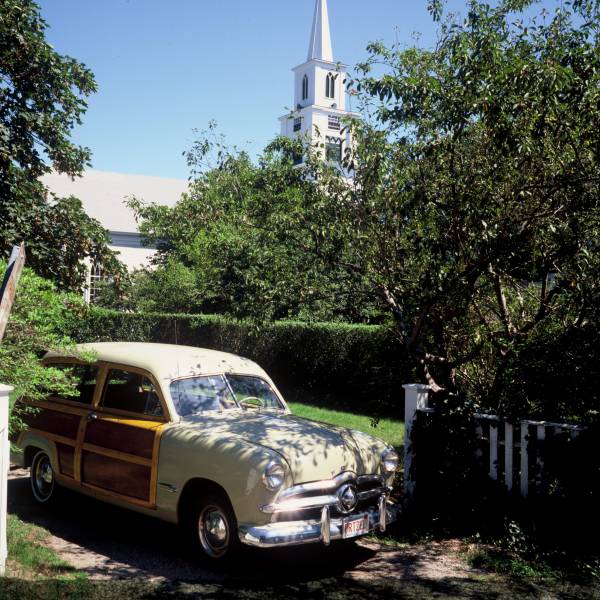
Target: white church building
320,107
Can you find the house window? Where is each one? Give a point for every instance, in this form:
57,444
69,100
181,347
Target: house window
298,158
333,150
98,276
297,123
333,122
330,86
305,87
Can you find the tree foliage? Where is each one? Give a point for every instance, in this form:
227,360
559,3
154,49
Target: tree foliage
42,97
480,178
40,321
472,219
225,248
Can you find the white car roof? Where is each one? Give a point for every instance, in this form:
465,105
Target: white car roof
168,361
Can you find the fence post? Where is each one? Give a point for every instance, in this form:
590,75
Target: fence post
524,458
416,397
4,461
508,456
494,449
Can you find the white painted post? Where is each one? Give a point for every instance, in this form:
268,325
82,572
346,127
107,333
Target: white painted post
479,434
4,461
416,397
524,452
494,450
508,456
539,479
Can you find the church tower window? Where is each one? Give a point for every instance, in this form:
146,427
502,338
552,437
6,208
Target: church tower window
333,149
330,86
305,87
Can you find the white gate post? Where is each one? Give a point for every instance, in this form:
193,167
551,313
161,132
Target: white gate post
416,397
4,460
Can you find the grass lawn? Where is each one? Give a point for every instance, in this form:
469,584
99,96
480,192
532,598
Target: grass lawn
29,558
388,430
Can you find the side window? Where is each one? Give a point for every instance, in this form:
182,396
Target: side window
76,383
133,392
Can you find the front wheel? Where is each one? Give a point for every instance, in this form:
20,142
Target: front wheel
41,477
212,526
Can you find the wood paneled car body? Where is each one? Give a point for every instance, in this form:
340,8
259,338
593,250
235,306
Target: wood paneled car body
204,439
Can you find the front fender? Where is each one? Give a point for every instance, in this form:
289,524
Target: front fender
229,461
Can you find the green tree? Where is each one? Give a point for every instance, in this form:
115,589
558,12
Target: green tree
228,244
42,97
472,220
475,210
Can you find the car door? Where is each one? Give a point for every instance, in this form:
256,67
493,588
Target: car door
119,450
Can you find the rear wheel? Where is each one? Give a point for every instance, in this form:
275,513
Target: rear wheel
211,526
41,476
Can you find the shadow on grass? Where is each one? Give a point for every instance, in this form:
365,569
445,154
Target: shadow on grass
328,588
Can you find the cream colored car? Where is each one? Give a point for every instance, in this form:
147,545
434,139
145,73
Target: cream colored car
204,439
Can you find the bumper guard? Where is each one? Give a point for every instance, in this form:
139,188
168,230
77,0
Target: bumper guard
291,533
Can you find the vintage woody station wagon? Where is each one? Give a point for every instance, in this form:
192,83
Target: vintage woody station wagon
204,439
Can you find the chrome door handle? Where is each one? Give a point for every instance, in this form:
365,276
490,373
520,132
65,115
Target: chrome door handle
92,417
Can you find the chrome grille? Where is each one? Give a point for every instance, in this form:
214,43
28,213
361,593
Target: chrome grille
308,497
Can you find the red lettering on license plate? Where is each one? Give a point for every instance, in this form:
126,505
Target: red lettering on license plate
356,527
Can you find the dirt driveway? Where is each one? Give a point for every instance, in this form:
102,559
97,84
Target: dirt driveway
118,546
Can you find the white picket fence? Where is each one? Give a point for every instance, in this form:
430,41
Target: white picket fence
511,456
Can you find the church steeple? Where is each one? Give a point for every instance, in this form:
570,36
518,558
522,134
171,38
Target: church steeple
320,37
319,107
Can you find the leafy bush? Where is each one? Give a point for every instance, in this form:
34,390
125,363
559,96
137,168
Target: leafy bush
357,367
39,321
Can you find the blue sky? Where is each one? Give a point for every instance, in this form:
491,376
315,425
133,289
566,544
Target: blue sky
167,67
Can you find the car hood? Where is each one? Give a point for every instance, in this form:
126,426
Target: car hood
312,450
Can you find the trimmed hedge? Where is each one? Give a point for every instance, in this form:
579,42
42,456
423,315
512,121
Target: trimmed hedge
355,367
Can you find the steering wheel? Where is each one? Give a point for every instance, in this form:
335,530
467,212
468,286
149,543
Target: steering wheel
244,402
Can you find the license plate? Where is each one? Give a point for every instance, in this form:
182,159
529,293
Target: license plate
356,527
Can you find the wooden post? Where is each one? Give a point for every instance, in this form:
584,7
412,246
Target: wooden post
4,461
416,397
9,285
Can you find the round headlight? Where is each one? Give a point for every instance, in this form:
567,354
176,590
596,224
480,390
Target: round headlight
274,476
389,461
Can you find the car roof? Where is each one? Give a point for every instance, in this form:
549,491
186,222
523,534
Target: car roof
168,361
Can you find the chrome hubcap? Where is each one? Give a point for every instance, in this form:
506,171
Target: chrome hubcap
213,531
43,479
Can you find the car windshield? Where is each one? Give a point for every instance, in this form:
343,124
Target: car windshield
221,392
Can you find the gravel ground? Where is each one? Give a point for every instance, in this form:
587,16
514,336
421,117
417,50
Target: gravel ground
110,544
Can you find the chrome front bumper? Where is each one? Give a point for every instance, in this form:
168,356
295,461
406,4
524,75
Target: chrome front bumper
291,533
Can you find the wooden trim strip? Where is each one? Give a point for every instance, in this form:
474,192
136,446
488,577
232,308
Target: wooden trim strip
154,472
59,407
78,451
100,493
52,437
138,460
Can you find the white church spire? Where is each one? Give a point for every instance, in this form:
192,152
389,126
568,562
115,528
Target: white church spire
320,98
320,38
